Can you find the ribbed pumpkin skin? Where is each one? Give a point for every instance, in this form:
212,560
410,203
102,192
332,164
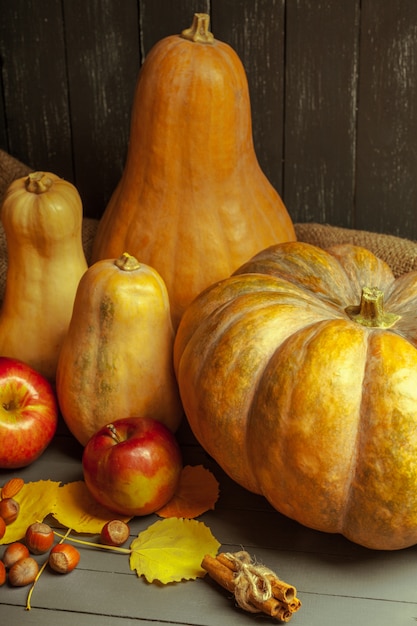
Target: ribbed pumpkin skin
192,202
116,360
298,402
45,263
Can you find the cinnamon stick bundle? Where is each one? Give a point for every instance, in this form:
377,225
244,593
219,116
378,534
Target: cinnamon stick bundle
255,587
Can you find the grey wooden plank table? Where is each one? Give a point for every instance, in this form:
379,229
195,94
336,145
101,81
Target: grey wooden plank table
339,583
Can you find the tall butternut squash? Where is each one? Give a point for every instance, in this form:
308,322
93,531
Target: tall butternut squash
42,219
192,201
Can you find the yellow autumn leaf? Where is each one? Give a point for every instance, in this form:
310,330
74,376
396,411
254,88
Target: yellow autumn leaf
197,492
36,501
172,550
75,508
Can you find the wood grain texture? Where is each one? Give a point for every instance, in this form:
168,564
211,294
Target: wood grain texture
320,110
387,120
255,30
338,582
333,90
169,17
35,90
103,56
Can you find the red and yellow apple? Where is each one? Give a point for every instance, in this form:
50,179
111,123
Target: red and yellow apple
28,413
132,466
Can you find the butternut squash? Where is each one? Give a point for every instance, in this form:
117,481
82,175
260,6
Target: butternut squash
42,219
192,201
116,359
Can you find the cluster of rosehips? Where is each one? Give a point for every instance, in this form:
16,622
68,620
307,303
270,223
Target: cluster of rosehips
18,563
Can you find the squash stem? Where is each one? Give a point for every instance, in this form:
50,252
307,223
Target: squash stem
370,312
38,182
127,262
199,29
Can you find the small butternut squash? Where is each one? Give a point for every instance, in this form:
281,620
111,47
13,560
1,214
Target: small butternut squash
192,201
116,359
42,219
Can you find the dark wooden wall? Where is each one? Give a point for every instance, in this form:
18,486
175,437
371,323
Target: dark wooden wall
333,87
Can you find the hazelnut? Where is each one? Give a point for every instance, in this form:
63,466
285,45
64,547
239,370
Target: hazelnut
23,572
115,533
14,552
39,537
9,510
63,558
2,573
2,528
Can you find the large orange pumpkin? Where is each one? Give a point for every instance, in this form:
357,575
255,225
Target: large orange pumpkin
298,374
193,201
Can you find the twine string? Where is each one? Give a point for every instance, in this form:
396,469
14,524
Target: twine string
251,581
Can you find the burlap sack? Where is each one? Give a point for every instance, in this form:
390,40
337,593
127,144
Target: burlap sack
400,254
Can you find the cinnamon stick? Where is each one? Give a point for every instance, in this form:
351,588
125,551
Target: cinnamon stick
218,572
249,590
280,589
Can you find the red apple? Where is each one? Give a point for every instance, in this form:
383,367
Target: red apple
28,413
132,466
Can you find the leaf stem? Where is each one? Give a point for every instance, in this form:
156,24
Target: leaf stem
94,545
28,605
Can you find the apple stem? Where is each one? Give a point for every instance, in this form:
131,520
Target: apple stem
113,433
9,406
94,545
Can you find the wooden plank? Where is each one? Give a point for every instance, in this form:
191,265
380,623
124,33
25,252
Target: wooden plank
356,586
387,122
320,110
103,62
317,610
37,616
32,49
256,32
200,602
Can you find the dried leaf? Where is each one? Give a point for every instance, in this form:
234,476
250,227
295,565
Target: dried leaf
171,550
197,492
75,508
36,500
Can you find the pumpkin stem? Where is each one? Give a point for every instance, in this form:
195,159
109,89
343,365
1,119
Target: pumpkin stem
38,182
199,30
370,312
127,262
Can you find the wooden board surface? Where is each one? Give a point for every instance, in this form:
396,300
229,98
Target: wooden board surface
337,581
333,90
